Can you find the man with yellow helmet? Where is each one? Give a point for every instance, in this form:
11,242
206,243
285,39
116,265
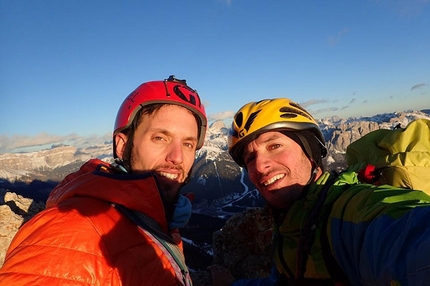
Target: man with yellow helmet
329,229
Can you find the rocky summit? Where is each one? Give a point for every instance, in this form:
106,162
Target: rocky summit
15,210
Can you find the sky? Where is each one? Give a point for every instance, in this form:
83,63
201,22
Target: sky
66,66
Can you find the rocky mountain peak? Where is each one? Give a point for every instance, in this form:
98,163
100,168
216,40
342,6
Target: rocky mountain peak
229,225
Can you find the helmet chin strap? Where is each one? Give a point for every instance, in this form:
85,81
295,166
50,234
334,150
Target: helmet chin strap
314,171
307,150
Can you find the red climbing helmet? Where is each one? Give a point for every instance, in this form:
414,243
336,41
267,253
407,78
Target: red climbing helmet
170,91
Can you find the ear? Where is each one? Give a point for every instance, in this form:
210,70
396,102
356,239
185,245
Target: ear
120,143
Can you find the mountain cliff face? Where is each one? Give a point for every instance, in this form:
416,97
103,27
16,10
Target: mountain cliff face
49,165
222,191
215,175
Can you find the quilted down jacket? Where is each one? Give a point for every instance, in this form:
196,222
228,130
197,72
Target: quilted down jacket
83,239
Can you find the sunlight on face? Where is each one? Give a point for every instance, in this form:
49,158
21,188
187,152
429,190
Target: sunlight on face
165,143
278,167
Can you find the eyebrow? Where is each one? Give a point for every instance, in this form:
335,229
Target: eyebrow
271,138
171,134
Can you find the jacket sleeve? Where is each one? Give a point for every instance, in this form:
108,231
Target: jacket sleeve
381,235
51,250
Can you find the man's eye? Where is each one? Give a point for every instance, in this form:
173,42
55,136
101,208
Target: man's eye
189,145
274,146
248,159
158,138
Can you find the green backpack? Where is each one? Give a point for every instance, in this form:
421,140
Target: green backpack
399,157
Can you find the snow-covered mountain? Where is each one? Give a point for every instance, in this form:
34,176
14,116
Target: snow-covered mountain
221,188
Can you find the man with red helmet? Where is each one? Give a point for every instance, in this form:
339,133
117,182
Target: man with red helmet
116,224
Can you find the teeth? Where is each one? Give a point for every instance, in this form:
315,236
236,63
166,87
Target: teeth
168,175
273,179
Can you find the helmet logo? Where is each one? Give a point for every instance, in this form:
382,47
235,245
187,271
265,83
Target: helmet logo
248,123
193,98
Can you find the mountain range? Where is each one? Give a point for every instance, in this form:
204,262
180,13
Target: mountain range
221,188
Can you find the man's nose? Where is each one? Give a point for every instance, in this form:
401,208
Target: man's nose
262,163
175,153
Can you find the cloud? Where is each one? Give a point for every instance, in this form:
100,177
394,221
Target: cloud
351,101
418,86
312,102
404,8
333,40
22,143
328,109
221,115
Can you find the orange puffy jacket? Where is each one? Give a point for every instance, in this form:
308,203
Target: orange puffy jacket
82,239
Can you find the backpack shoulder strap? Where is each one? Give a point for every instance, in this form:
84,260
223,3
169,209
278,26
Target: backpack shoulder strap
164,242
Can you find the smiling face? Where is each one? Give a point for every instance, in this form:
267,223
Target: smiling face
164,143
278,167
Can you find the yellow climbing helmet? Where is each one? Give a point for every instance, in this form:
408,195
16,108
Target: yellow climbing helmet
281,114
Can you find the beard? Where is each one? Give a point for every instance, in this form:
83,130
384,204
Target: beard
169,191
284,197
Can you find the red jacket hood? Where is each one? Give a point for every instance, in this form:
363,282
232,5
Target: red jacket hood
96,179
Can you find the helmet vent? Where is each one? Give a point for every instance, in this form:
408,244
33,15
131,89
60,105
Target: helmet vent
297,110
239,119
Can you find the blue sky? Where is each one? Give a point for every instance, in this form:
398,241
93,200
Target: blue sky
66,66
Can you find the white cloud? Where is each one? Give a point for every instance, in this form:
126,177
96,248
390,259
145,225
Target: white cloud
22,143
221,115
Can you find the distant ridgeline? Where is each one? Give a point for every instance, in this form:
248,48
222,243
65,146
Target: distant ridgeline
223,192
221,188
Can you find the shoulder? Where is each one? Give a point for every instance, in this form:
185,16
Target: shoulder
58,245
66,226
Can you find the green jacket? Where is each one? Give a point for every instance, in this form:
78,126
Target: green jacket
344,230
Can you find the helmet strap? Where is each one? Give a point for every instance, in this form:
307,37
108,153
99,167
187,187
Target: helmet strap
314,171
307,149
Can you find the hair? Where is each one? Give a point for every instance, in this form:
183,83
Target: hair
129,132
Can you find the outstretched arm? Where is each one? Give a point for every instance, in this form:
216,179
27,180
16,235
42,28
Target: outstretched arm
382,235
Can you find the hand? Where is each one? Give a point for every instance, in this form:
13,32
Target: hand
220,276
